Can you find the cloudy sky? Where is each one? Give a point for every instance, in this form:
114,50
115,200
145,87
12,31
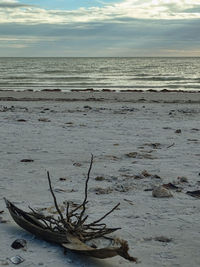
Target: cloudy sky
100,28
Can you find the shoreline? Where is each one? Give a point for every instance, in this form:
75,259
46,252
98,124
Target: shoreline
113,96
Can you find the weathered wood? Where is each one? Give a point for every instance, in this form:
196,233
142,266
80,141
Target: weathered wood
66,240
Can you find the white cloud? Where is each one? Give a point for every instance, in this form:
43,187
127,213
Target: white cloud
11,11
27,39
157,9
18,46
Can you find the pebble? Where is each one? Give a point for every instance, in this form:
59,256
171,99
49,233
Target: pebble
100,178
2,220
21,120
44,119
162,239
145,173
155,176
161,192
131,154
182,179
62,179
77,164
19,243
4,263
101,191
27,160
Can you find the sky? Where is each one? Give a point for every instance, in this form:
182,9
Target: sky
95,28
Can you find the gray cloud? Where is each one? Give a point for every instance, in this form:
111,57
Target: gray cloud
127,37
193,10
13,5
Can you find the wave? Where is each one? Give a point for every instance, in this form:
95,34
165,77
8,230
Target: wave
155,78
108,73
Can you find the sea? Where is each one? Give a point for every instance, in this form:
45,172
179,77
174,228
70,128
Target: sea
66,74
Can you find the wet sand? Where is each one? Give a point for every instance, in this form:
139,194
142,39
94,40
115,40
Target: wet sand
90,95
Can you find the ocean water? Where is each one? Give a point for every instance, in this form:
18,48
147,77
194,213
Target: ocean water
100,73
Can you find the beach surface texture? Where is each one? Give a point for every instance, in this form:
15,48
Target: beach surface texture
145,144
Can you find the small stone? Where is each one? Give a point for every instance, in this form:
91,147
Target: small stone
178,131
2,220
138,177
132,155
4,263
77,164
100,178
87,107
182,179
102,191
21,120
155,176
179,190
162,239
145,173
148,189
19,243
154,145
44,119
62,179
26,160
161,192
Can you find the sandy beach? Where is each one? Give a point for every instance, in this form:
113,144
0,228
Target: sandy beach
139,140
92,95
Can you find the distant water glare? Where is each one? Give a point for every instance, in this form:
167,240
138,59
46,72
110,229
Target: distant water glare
100,73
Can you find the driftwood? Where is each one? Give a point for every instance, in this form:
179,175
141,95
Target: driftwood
70,230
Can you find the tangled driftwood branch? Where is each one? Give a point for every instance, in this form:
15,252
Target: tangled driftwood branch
74,221
69,228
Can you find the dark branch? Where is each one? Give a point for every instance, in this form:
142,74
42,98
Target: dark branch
103,217
86,192
54,198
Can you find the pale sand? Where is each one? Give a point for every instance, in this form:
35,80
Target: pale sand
58,135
